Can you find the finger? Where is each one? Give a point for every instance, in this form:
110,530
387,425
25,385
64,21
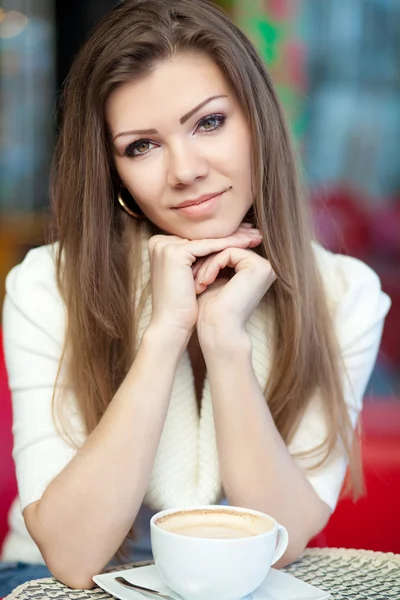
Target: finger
256,241
236,258
252,243
251,233
160,241
240,260
163,240
247,229
197,265
216,264
167,246
199,286
200,248
204,266
200,283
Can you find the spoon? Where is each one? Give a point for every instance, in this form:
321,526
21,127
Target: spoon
140,588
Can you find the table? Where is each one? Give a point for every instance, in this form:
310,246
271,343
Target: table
355,574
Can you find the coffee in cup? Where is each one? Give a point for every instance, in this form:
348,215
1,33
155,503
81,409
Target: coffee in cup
217,552
216,524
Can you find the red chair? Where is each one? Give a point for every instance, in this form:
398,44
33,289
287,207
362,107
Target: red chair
390,346
373,522
8,484
385,228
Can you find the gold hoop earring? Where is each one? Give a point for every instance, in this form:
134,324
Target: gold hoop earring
130,212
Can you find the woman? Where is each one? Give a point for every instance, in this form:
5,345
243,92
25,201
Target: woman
193,342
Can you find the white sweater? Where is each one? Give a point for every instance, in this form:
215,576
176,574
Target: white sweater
186,467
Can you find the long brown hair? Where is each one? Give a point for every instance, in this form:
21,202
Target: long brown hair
98,258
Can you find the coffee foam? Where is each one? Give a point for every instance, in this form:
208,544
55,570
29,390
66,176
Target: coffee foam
215,524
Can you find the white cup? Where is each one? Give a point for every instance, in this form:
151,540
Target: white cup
209,568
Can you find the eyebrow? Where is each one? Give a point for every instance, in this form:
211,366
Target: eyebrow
182,120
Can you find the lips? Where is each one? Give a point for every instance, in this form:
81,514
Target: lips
198,200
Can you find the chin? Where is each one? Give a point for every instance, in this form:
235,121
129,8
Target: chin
210,229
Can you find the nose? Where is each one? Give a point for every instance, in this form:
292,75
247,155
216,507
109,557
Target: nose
185,164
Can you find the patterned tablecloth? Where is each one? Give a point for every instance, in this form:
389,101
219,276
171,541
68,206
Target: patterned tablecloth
355,574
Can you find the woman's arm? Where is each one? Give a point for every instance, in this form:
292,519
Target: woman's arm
256,468
87,510
81,517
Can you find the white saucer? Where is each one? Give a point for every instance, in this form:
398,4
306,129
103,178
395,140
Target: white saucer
276,586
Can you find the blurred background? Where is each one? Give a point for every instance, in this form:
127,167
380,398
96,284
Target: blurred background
336,66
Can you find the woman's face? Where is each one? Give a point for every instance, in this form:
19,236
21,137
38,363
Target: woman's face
180,136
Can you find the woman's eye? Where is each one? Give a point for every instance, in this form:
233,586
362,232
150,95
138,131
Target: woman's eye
212,122
138,148
207,125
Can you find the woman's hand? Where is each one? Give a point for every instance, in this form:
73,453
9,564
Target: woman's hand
225,305
172,277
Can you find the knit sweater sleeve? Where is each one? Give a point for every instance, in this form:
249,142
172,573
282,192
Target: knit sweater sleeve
360,307
33,334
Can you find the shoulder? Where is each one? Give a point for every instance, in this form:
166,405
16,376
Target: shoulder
350,284
32,292
38,267
34,278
